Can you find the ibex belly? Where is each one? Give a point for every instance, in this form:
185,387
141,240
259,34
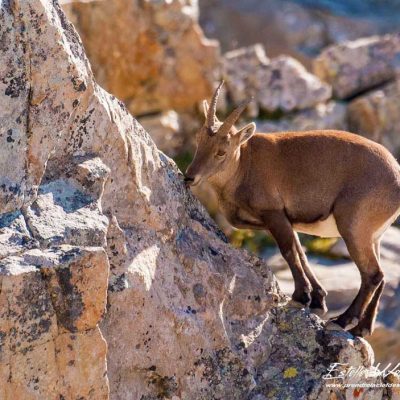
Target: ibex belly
326,228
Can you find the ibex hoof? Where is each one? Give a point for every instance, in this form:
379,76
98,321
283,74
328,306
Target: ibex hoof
303,298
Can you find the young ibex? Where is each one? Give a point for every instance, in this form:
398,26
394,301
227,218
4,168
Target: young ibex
325,183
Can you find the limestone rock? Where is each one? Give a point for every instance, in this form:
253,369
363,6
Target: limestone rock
81,223
390,246
278,84
375,115
188,317
50,304
386,338
283,27
166,131
331,115
151,54
355,66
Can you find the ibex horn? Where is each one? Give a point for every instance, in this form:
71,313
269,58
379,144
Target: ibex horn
213,106
233,117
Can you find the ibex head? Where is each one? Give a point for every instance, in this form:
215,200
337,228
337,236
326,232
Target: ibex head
217,142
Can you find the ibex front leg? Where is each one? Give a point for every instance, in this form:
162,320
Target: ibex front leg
281,229
318,294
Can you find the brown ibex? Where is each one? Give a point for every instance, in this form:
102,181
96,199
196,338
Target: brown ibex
326,183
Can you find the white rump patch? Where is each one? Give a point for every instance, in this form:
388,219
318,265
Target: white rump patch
326,228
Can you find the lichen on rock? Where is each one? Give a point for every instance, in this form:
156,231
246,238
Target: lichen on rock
104,253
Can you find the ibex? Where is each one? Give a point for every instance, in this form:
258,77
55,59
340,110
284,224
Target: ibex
326,183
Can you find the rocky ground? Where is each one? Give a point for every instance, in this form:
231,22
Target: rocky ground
114,281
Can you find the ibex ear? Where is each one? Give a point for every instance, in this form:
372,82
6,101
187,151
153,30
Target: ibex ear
246,132
205,108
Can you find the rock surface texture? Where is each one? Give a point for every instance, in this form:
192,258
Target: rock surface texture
376,115
151,54
105,254
278,84
283,27
331,115
353,67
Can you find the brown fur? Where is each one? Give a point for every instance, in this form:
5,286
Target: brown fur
274,181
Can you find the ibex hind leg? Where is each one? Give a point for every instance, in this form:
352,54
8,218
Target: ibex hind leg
360,233
371,277
367,323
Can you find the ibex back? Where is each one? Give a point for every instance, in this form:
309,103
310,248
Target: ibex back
326,183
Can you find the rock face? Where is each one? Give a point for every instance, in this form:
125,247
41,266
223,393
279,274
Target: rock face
376,115
278,84
285,27
151,54
166,131
353,67
386,338
104,253
331,115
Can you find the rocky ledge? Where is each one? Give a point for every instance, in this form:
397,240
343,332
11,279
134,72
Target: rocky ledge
114,282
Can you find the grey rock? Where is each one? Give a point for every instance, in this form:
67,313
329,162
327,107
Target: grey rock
278,84
331,115
235,336
375,115
166,131
63,214
355,66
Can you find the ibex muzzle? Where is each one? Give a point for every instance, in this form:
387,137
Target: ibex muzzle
326,183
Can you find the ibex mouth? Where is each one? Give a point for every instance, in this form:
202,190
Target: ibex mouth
188,180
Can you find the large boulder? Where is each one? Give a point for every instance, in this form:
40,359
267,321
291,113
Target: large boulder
151,54
355,66
166,131
376,115
386,338
280,84
283,27
331,115
104,253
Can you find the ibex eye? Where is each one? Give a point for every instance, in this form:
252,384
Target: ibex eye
221,153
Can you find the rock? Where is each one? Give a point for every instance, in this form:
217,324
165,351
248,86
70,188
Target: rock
151,54
51,302
390,246
355,66
187,316
375,115
284,27
386,344
278,84
165,130
385,339
76,221
331,115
